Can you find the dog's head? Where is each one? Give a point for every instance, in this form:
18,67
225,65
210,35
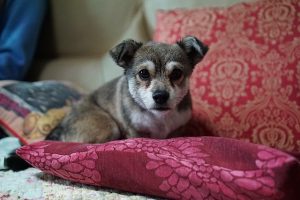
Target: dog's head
158,73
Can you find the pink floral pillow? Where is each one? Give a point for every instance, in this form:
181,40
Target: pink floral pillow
181,168
248,85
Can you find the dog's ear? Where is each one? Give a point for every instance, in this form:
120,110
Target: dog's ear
123,53
194,49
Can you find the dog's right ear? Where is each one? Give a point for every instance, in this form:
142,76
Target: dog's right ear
123,53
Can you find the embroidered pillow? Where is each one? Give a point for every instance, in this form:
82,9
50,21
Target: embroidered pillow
29,110
248,85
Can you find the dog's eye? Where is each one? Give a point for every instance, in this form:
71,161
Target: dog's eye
144,74
176,74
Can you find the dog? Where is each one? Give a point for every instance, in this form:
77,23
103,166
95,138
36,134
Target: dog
151,99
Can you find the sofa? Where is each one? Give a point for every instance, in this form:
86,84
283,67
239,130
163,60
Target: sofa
245,92
77,36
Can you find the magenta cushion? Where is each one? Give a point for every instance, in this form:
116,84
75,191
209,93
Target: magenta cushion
181,168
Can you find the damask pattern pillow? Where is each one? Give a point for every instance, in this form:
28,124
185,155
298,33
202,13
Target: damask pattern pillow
181,168
248,85
29,110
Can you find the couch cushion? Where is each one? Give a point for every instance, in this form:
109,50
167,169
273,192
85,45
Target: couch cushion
87,72
248,85
181,168
91,27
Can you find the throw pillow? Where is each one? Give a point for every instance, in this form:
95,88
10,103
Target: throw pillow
30,110
181,168
248,85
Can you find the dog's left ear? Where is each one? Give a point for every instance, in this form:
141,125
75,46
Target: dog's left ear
123,53
194,49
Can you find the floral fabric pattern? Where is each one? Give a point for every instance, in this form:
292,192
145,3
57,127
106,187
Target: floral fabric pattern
181,168
247,87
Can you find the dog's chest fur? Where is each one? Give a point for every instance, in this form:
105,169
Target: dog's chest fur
159,125
139,122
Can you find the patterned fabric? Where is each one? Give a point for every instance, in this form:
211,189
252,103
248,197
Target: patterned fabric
181,168
248,85
19,99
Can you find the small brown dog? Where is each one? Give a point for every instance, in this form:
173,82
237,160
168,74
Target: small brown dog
151,99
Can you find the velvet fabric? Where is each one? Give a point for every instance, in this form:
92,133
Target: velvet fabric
181,168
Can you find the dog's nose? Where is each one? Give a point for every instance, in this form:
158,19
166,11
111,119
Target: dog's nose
160,97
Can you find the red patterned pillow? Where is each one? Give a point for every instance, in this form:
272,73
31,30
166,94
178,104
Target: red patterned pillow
181,168
248,85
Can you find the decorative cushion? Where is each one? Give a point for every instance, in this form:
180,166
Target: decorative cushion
248,85
30,110
181,168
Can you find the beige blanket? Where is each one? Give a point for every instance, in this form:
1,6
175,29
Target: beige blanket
32,184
